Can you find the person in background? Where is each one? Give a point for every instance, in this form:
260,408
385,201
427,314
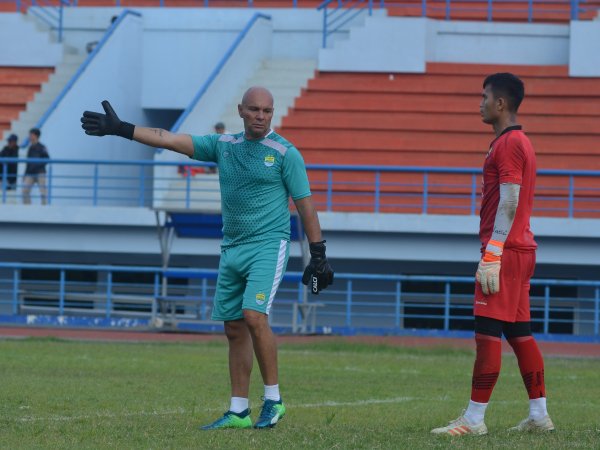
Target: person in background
220,128
91,46
11,150
35,172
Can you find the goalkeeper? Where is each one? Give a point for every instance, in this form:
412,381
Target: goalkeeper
507,264
258,171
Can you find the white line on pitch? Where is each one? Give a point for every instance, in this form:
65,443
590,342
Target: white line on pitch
175,411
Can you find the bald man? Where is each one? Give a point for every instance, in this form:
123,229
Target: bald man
258,171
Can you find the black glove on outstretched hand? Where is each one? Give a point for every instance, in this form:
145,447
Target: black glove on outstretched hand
318,272
97,124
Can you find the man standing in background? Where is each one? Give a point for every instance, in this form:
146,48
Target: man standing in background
11,150
35,172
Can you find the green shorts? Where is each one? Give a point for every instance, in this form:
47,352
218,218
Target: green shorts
249,275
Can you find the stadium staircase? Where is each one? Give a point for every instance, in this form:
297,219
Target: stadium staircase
285,79
18,86
432,119
41,95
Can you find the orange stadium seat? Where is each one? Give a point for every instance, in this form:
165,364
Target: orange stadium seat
432,119
546,11
18,85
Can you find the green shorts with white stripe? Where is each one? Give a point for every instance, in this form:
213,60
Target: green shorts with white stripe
249,275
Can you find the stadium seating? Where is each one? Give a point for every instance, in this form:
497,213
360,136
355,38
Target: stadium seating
18,85
432,119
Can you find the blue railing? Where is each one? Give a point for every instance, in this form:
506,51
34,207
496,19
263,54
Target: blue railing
338,13
45,294
59,98
376,189
490,10
46,11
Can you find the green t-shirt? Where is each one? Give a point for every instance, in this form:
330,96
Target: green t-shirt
256,177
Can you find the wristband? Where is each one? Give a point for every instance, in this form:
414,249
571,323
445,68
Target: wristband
126,130
493,251
317,249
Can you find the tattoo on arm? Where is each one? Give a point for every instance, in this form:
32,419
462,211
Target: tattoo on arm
507,208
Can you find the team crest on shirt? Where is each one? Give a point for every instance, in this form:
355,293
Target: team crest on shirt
269,160
260,298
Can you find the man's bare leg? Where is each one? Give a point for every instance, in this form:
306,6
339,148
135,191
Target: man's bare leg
240,357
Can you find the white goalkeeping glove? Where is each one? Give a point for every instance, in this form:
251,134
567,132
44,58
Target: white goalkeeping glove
488,271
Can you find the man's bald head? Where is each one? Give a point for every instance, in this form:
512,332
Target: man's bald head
257,94
257,111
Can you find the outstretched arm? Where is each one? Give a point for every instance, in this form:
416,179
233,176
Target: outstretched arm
159,138
98,124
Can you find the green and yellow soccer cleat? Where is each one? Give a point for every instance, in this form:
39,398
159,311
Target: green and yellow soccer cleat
271,412
231,420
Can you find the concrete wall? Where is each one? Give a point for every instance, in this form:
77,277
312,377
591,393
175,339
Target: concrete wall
181,46
497,43
584,55
383,44
22,44
399,44
113,74
116,235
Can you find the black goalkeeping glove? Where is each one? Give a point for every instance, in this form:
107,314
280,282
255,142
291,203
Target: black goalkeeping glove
97,124
318,272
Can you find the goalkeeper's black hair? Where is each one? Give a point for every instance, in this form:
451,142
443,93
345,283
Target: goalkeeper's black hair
508,86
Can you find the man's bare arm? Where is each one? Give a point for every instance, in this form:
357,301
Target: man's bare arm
98,124
310,219
159,138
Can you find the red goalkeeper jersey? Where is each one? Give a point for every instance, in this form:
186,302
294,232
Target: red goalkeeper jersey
511,159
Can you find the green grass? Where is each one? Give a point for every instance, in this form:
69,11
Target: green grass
65,394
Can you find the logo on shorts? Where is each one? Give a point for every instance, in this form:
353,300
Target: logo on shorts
480,302
260,298
269,160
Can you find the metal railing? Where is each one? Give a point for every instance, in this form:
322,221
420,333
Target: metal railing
67,294
49,12
524,10
338,13
375,189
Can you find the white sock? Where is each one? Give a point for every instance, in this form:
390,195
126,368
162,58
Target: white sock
475,412
537,408
238,404
272,392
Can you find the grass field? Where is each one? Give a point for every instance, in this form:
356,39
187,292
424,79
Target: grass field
66,394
